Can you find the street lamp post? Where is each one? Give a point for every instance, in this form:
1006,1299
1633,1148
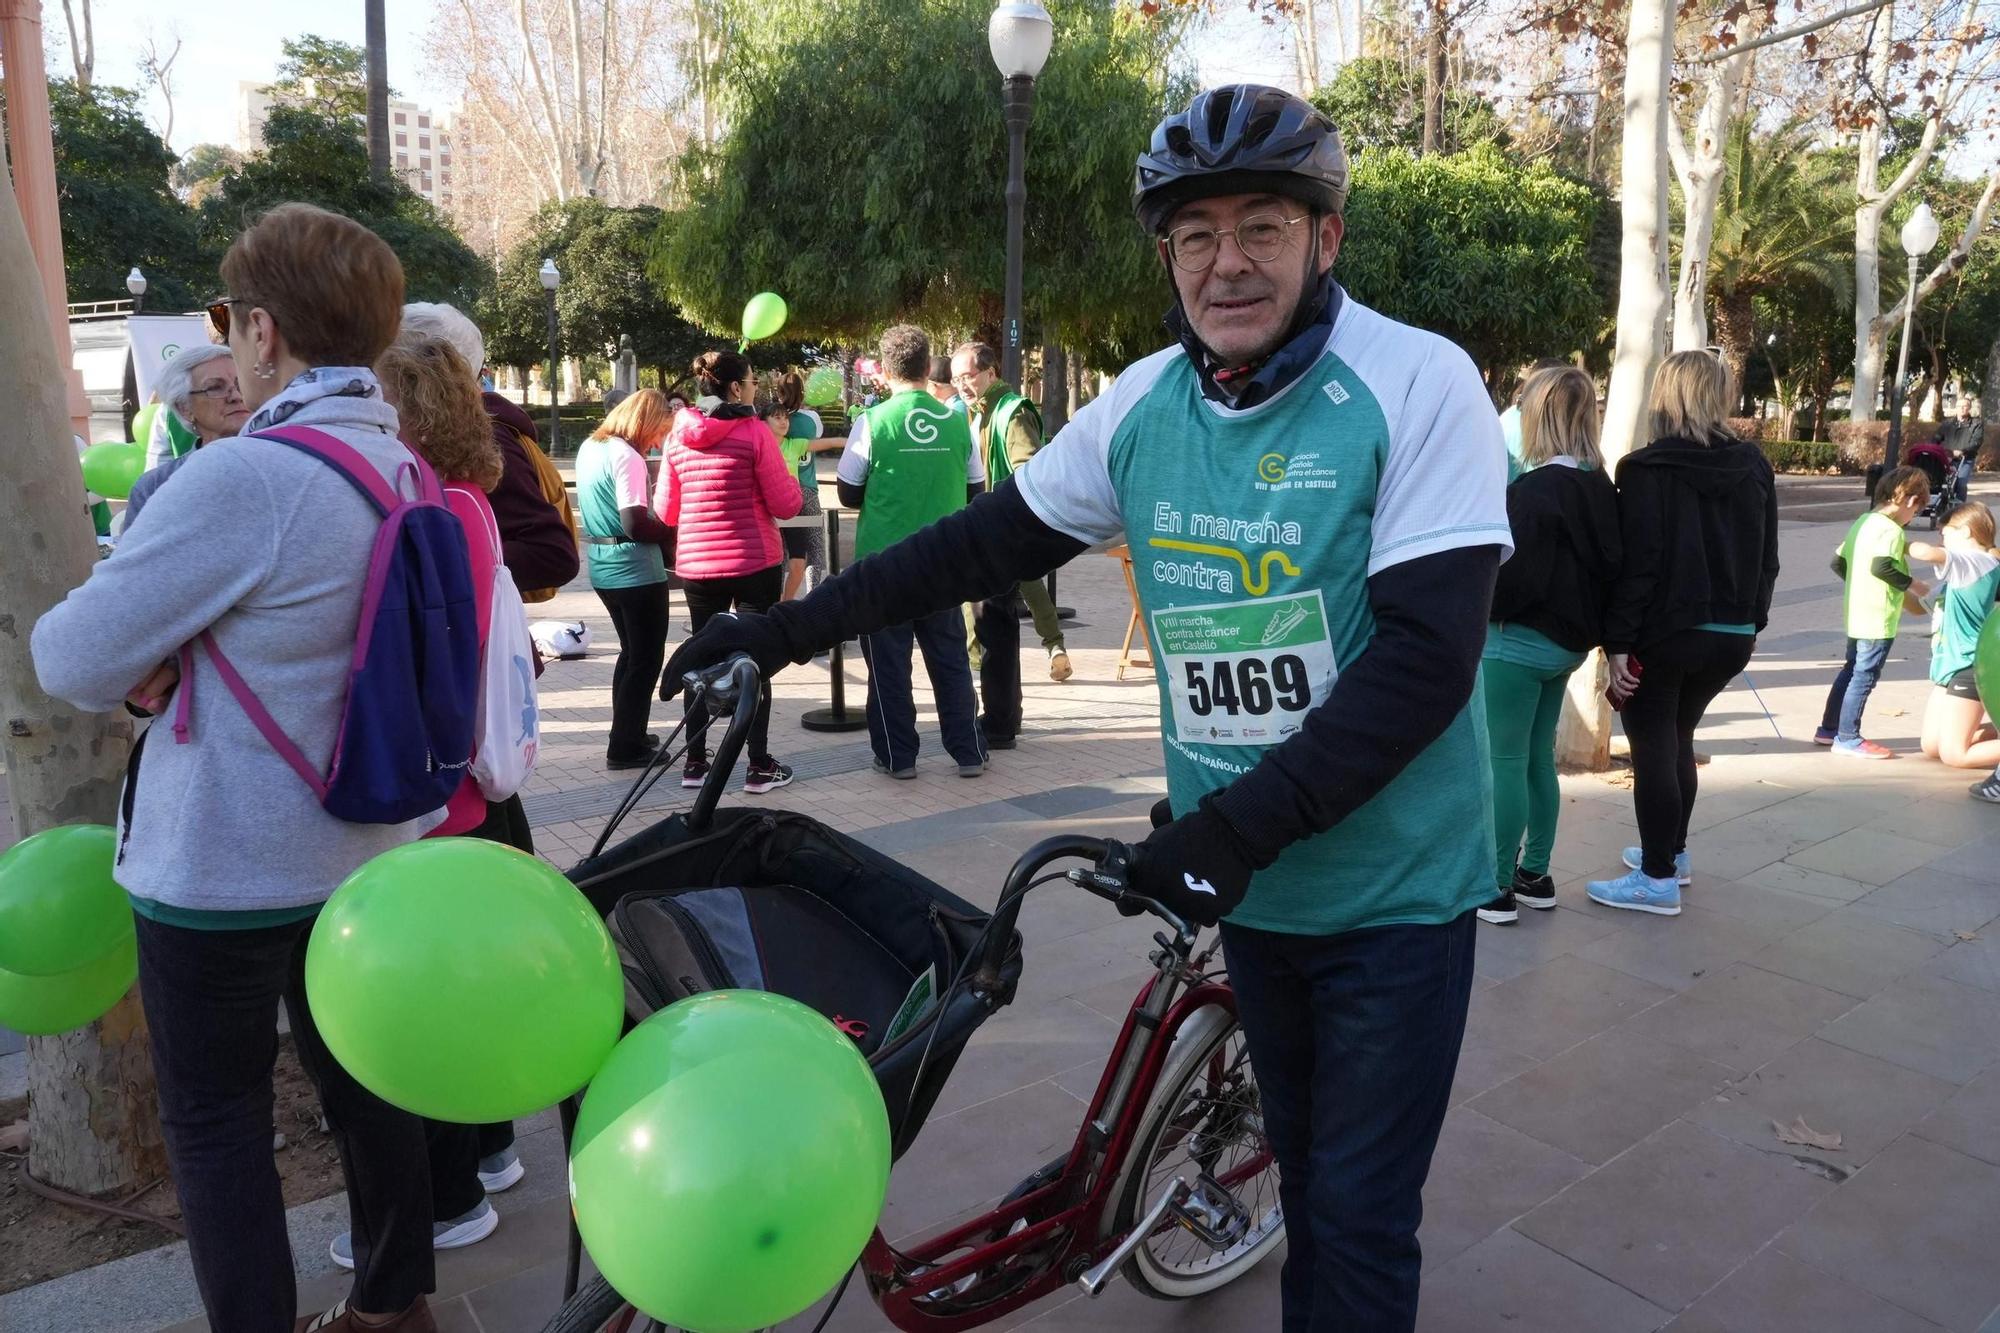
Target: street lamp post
551,277
135,283
1920,233
1019,34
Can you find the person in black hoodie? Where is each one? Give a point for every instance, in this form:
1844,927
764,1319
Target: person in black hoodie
1548,611
1699,513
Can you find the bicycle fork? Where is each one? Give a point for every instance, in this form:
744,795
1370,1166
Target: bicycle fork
1205,1208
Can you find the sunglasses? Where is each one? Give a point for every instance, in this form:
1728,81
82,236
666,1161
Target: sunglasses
218,314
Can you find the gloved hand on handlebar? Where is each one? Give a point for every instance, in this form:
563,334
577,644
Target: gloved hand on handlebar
755,636
1196,866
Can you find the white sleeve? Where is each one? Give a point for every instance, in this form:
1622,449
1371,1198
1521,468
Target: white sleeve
853,467
1962,569
975,465
1068,482
628,476
1444,483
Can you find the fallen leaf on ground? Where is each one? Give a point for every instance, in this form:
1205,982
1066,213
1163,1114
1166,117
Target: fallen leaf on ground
1805,1135
1966,934
1894,712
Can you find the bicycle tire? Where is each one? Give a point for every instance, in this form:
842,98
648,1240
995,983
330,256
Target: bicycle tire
594,1305
1144,1270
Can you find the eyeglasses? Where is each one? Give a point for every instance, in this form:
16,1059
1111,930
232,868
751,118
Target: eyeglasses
218,314
226,390
1261,237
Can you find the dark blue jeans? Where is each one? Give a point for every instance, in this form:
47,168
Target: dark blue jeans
1851,688
212,1009
1354,1038
892,713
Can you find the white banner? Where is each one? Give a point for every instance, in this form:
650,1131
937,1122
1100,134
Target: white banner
156,339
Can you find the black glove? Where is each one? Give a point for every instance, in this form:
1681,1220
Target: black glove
756,636
1196,866
1163,812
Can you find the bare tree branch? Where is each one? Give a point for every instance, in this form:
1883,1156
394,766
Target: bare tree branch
1787,34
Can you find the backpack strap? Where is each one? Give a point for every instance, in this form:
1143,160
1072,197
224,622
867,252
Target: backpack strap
348,461
253,707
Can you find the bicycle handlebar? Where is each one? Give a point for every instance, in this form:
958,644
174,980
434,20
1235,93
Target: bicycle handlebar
1107,879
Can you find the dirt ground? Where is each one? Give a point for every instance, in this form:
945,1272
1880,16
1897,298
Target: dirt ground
47,1239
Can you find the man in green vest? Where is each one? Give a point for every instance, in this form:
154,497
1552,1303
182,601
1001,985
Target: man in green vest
1008,430
909,462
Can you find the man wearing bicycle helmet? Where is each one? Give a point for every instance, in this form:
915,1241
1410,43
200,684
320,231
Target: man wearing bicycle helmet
1314,498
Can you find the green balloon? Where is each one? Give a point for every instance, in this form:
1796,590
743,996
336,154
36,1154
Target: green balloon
142,424
1986,664
729,1161
823,387
60,909
763,316
464,980
44,1006
110,468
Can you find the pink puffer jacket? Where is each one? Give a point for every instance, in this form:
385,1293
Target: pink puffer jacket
723,483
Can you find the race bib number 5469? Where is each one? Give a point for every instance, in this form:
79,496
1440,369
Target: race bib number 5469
1245,673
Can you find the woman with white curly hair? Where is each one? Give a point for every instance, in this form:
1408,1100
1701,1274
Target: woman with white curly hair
199,386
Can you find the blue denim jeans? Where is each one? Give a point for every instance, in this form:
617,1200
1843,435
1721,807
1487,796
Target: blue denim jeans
892,713
1851,688
1355,1039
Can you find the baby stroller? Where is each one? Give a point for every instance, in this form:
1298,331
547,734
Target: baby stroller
1949,473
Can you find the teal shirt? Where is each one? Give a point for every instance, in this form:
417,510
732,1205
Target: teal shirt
1511,641
1714,628
610,477
193,918
1253,535
1971,583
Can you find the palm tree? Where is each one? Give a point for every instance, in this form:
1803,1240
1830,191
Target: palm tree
378,88
1778,224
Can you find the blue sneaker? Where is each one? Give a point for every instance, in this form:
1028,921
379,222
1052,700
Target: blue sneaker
1635,859
1639,892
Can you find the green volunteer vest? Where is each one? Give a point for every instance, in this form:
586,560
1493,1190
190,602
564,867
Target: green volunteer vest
1962,613
1874,609
627,564
1009,405
1250,539
918,450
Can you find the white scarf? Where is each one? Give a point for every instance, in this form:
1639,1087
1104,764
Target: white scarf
311,386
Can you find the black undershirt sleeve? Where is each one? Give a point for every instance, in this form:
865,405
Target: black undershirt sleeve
1884,568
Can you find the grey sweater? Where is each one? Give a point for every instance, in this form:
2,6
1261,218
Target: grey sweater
268,547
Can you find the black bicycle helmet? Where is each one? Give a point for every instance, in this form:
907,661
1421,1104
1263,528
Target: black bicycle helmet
1244,138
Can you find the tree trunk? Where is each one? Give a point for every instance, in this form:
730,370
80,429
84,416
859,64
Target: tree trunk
377,37
1736,331
1583,732
1989,395
1055,389
1642,313
82,43
1701,169
91,1124
1434,76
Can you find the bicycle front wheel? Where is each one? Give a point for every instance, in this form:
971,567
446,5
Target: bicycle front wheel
596,1308
1205,1119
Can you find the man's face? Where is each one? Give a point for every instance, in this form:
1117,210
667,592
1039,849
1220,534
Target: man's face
1239,303
217,402
971,382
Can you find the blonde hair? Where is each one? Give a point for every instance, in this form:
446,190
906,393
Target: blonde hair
1976,521
1691,398
642,420
1559,418
437,400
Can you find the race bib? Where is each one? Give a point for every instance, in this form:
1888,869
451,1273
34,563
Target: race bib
1245,673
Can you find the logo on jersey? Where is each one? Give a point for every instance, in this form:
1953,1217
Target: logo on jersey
922,426
1197,885
1335,390
1271,468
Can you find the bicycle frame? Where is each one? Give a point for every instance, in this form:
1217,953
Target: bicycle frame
902,1281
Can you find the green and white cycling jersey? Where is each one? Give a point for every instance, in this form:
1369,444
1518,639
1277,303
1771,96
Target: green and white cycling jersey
1253,535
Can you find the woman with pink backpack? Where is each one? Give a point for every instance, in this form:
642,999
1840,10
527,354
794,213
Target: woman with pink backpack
723,483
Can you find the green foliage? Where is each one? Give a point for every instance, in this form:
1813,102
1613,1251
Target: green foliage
602,253
202,168
118,207
863,173
1780,219
1493,256
323,76
312,158
1378,102
1816,456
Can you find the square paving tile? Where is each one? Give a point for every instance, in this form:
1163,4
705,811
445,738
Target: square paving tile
1677,1214
1775,1293
1482,1065
1925,1023
1026,1043
1974,858
1846,952
1483,1176
1868,1102
1974,962
1936,901
1789,878
1600,1098
1915,1227
1869,855
1505,952
978,1154
1559,1004
1742,1016
1509,1284
1969,1121
1678,951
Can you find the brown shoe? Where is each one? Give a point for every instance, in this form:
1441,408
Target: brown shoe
417,1319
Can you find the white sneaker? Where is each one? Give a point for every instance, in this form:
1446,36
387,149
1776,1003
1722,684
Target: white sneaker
455,1234
501,1171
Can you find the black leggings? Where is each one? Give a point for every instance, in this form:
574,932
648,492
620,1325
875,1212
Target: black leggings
708,598
1681,675
639,615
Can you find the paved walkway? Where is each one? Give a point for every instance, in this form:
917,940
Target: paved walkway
1610,1162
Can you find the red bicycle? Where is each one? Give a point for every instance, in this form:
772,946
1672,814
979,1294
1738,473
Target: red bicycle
1170,1178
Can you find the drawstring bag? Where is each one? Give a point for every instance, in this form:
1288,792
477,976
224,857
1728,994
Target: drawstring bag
507,728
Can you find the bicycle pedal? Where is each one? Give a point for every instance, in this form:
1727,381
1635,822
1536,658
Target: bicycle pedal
1212,1213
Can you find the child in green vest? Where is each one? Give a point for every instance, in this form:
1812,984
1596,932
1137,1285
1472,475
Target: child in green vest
1875,563
1956,730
